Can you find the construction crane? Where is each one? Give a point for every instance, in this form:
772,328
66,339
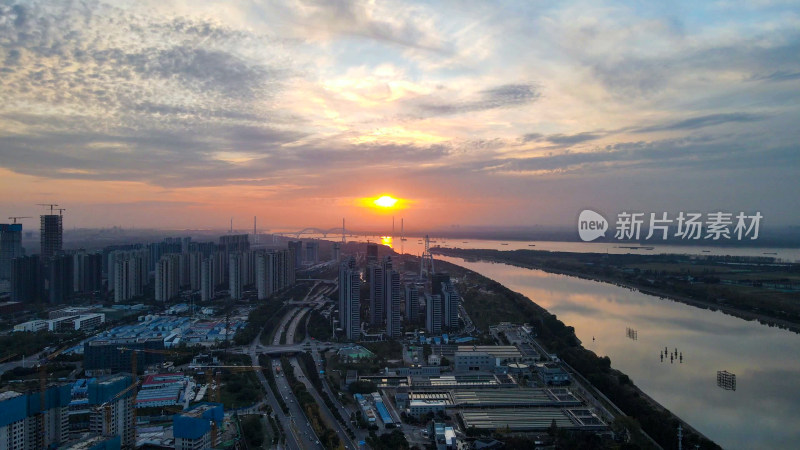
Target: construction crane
14,218
51,205
134,375
61,211
105,408
214,395
43,390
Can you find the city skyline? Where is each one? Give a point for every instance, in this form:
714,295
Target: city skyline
182,115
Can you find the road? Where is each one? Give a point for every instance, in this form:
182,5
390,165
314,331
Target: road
298,423
329,417
292,438
299,434
343,412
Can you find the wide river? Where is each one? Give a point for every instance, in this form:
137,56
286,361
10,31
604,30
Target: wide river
763,411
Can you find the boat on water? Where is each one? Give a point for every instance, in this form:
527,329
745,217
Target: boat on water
531,245
503,243
770,253
706,251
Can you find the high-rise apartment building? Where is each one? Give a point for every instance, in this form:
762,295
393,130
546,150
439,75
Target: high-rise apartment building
167,277
274,270
208,280
377,296
51,234
10,248
112,408
450,302
433,314
312,252
391,287
296,249
195,261
23,426
235,275
128,272
59,278
412,302
26,279
350,299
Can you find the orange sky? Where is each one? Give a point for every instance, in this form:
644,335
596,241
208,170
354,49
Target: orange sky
184,114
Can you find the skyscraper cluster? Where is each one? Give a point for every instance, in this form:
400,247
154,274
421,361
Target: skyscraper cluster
436,310
131,271
384,298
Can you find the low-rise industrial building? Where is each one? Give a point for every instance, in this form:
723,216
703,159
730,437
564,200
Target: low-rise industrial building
31,326
161,390
443,436
474,362
531,419
419,408
552,374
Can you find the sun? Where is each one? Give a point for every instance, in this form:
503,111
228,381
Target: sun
385,201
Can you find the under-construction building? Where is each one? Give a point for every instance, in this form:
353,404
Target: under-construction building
25,425
199,427
111,403
51,234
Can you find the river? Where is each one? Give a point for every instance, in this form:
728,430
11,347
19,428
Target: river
415,246
763,411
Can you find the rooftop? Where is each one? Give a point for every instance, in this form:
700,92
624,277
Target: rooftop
524,397
8,395
526,419
498,351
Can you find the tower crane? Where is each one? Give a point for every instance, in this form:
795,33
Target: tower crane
135,371
14,218
43,391
51,205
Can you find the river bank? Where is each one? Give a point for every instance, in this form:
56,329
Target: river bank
508,258
488,301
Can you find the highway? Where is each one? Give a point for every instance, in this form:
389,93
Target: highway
299,434
292,438
300,373
299,422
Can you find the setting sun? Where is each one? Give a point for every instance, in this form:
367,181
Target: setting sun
385,201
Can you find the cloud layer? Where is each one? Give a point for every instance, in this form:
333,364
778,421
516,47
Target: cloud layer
459,106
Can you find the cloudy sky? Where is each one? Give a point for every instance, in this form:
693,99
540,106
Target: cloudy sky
185,113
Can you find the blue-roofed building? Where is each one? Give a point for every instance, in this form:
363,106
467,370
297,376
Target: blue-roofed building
19,418
199,427
386,418
107,393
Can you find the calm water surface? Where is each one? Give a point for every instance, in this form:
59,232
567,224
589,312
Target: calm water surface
763,412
